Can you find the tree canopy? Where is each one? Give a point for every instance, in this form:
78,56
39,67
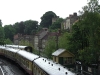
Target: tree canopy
84,40
57,24
9,32
0,23
30,27
46,19
2,35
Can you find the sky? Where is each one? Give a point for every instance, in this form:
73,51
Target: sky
12,11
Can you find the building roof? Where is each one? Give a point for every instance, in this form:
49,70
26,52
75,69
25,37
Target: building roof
42,33
58,52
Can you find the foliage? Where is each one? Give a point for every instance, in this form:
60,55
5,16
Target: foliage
26,27
2,35
84,40
0,23
9,32
93,6
16,27
63,40
7,41
50,47
75,40
30,27
57,24
26,43
46,19
21,27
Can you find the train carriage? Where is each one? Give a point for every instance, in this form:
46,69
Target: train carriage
27,48
2,48
24,59
10,53
33,64
48,67
16,47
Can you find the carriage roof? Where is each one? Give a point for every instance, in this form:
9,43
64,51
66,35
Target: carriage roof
52,68
27,55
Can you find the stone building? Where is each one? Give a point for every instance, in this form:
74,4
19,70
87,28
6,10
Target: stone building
41,38
19,37
55,19
68,22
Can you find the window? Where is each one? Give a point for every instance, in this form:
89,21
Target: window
68,60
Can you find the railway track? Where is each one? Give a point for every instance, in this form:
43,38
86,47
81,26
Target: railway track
9,69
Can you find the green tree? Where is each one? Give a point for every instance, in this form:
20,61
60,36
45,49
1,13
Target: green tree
57,24
30,26
46,19
16,27
7,41
21,27
2,35
50,47
91,22
84,40
0,23
63,40
9,32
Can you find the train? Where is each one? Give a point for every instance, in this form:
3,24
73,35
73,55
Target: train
32,63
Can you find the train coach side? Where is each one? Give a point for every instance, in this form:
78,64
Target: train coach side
10,53
2,50
24,59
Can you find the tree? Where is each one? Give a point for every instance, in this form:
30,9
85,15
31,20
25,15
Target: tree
91,19
50,47
9,32
57,24
16,27
46,19
26,27
84,40
63,40
2,35
30,27
7,41
21,27
0,23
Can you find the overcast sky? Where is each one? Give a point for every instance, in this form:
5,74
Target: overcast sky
12,11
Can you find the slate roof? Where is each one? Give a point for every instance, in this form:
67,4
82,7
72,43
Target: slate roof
58,52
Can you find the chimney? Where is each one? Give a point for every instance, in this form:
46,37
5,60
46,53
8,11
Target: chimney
75,14
70,15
